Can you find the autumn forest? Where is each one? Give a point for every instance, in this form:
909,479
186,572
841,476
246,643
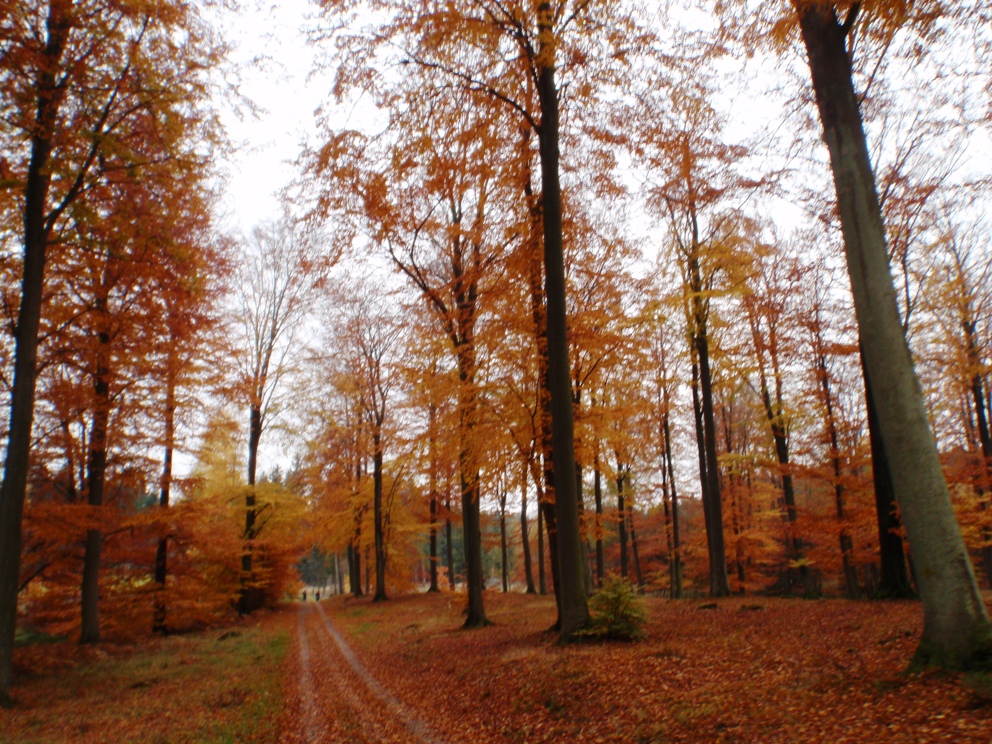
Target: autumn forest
576,299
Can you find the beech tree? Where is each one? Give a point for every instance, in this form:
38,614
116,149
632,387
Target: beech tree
957,632
80,77
276,280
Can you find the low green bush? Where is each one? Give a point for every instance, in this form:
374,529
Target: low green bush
618,612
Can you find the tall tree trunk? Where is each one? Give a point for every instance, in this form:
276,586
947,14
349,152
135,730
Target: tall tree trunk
49,96
162,551
471,513
956,628
574,613
377,518
96,478
337,572
525,530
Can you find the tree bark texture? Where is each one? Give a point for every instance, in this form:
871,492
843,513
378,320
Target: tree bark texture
571,569
956,628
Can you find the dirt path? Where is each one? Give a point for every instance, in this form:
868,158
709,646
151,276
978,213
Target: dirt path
334,698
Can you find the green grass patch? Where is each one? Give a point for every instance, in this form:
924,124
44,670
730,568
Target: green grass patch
194,688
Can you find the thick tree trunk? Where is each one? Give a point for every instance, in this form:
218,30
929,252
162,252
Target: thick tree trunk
956,628
377,518
49,96
525,530
571,569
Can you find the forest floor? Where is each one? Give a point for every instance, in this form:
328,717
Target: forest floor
345,670
748,670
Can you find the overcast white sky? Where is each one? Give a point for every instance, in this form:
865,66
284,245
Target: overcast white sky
270,46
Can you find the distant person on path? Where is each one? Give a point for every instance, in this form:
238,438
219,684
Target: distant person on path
318,597
304,595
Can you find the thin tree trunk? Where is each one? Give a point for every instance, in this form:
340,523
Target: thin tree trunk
433,543
676,563
956,628
542,585
597,485
450,546
250,598
502,542
633,549
432,422
377,518
96,477
719,583
622,520
525,530
846,543
162,551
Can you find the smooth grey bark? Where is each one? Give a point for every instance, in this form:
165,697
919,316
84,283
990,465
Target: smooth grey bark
956,628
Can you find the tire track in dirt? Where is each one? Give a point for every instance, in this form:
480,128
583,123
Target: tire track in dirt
338,699
417,728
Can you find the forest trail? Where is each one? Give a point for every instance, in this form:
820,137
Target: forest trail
334,698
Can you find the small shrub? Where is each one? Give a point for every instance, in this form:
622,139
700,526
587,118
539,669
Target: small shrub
618,612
